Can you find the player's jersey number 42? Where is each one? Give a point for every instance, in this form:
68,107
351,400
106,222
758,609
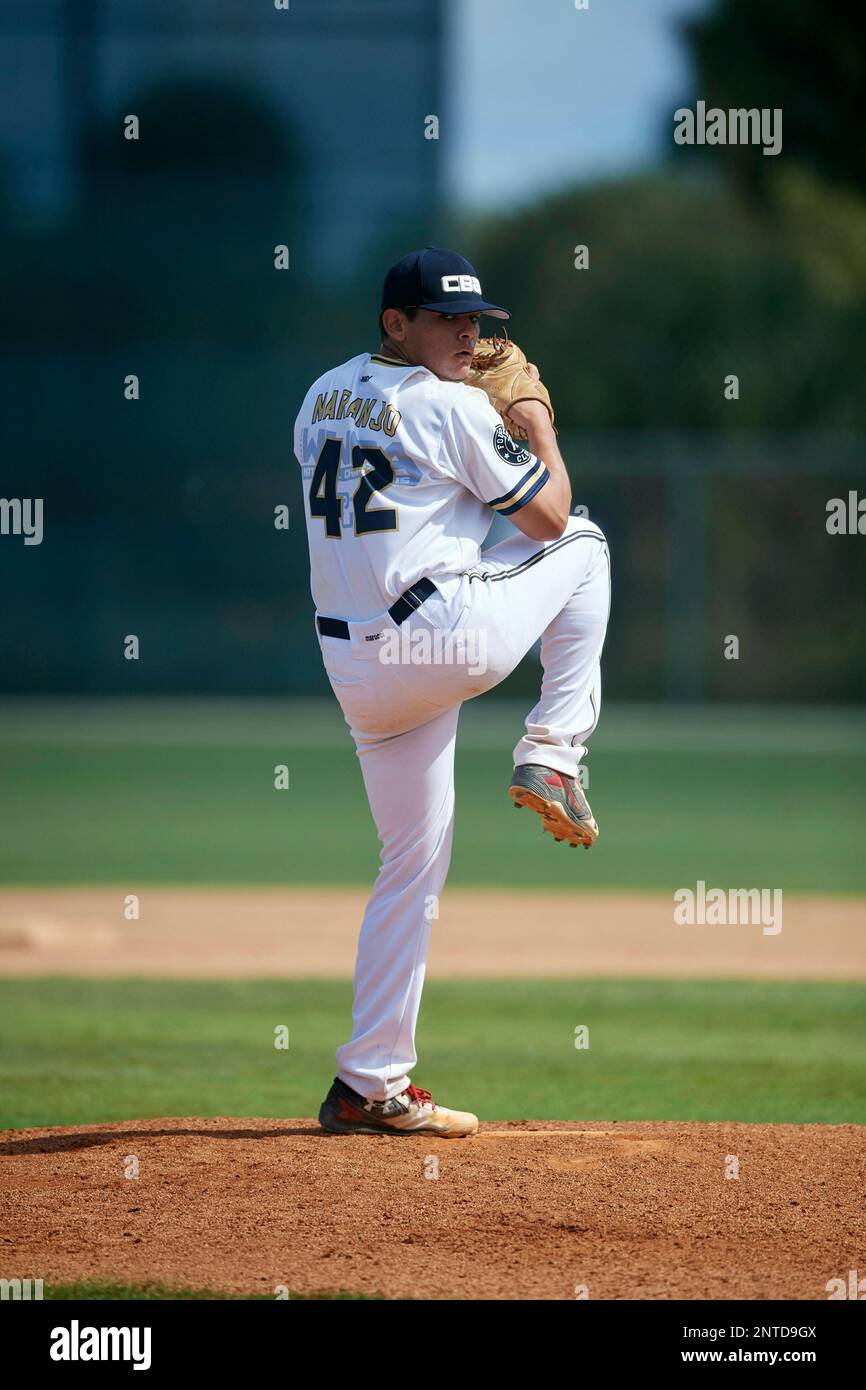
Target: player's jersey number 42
327,503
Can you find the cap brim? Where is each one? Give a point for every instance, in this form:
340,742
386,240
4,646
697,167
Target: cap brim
467,306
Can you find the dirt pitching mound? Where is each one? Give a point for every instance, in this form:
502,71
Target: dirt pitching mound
522,1210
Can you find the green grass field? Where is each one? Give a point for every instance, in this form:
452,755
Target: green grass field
108,1292
145,793
126,792
77,1051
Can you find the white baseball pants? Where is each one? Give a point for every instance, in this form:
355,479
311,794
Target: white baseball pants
400,688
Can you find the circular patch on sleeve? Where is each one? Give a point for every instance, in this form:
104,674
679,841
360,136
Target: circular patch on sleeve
507,450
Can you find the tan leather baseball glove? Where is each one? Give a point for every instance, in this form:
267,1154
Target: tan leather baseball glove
500,368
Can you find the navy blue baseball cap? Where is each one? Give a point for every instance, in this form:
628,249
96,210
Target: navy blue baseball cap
441,281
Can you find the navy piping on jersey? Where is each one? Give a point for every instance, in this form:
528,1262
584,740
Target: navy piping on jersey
533,479
539,555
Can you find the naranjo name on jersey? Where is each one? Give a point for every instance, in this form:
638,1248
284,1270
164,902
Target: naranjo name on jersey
401,475
386,418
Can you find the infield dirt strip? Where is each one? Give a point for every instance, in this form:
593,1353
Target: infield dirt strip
211,933
519,1211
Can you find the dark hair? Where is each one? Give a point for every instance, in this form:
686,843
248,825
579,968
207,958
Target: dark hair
410,311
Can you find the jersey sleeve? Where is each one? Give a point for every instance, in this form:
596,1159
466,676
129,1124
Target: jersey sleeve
479,452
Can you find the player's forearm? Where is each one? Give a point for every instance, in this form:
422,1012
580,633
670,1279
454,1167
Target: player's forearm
542,442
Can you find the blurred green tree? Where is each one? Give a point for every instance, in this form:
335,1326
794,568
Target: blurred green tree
684,287
804,58
809,62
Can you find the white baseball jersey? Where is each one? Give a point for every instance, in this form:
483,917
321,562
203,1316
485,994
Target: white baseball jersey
401,475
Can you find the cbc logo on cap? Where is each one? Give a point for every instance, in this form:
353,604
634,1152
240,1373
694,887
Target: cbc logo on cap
461,284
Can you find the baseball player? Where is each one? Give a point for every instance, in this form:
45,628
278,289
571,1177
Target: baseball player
405,456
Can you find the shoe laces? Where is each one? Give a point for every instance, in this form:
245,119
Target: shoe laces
420,1097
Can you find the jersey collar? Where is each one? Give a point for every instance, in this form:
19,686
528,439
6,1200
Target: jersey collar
388,361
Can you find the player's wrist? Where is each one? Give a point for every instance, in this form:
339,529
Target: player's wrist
530,414
539,432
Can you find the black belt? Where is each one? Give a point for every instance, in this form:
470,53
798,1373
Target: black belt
399,611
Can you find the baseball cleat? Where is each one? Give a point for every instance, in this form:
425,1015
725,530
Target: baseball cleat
558,799
414,1111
